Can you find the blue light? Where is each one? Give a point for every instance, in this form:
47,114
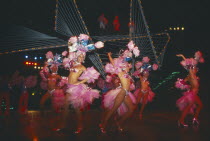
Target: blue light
26,56
40,57
35,58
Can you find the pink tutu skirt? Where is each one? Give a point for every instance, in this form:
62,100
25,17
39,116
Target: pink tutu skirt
109,99
187,98
81,95
58,99
150,97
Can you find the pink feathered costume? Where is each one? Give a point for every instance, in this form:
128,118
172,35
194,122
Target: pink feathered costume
109,97
150,97
81,95
188,96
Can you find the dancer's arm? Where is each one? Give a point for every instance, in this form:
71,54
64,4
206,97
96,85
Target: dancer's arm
181,55
110,58
81,82
84,80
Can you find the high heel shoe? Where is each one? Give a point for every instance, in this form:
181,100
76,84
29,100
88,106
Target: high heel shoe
79,130
102,129
182,124
195,121
121,130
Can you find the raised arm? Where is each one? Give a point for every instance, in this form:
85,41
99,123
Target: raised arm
110,58
81,82
181,55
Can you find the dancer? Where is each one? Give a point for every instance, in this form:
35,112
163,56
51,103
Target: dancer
28,82
144,94
116,24
78,94
190,100
50,82
120,98
102,22
131,28
114,82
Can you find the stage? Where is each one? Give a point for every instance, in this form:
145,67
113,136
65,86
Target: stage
155,126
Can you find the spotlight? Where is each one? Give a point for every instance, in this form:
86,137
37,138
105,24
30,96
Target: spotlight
35,58
177,28
40,57
182,28
26,56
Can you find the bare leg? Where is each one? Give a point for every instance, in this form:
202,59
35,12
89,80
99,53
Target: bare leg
25,103
118,101
103,114
185,112
131,107
22,103
44,98
143,105
199,106
79,121
139,97
65,112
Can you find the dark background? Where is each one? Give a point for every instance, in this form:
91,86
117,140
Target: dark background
160,15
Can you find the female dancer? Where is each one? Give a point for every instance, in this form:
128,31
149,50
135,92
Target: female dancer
28,82
121,99
190,98
78,94
144,94
114,99
53,89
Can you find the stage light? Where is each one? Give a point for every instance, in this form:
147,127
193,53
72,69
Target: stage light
35,67
40,57
41,67
35,64
177,28
182,28
174,28
170,28
27,63
26,56
38,67
35,58
33,94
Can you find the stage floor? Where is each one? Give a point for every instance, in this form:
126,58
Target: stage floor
155,126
